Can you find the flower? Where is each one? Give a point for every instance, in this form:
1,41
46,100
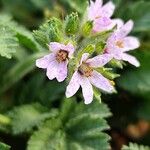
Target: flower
119,43
57,61
100,15
86,76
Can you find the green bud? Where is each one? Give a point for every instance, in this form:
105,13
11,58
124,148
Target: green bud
97,94
72,24
106,72
54,34
99,47
87,28
88,49
116,63
49,31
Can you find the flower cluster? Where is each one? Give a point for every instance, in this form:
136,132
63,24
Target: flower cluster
86,71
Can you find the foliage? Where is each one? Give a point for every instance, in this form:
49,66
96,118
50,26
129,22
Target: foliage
33,110
133,146
74,131
4,146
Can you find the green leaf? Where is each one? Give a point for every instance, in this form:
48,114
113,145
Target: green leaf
72,24
25,117
24,36
8,42
134,146
77,127
3,146
85,124
48,137
19,70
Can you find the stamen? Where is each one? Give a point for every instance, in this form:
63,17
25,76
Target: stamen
61,56
85,70
97,17
120,44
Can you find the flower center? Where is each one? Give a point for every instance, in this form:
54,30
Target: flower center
61,56
85,70
120,44
97,17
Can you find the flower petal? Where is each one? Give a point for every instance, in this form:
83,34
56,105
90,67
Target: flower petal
74,85
62,71
101,82
69,48
126,29
94,9
99,60
131,59
52,70
108,9
84,57
101,24
130,43
87,90
44,61
55,46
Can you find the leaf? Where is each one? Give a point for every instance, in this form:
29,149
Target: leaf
8,42
134,146
44,91
19,70
47,139
3,146
24,36
77,127
25,117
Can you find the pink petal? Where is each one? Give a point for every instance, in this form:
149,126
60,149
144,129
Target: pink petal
99,60
55,46
130,43
84,57
108,9
62,71
126,28
74,85
101,24
101,82
52,70
94,9
69,48
44,61
131,59
115,22
87,90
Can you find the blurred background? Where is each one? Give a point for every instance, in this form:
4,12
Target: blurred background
130,106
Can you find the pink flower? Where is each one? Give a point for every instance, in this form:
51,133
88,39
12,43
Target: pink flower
86,76
119,43
101,15
57,61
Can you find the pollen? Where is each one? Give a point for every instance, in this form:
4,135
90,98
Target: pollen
85,70
120,44
61,56
97,17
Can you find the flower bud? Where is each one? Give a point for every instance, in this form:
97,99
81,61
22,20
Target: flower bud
87,28
72,24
